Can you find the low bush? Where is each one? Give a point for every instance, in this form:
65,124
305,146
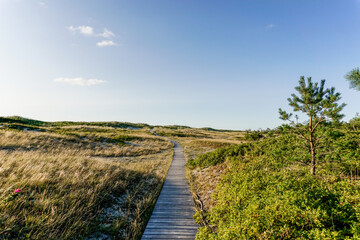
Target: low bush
119,139
218,156
253,136
179,134
268,192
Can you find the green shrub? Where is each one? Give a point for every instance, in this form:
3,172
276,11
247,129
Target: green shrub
180,134
253,136
268,193
218,156
21,120
119,139
277,205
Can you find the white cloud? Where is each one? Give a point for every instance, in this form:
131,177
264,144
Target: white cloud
85,30
42,4
106,43
107,34
89,31
270,26
80,81
94,81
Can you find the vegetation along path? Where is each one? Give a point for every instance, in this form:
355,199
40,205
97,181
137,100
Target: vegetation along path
172,215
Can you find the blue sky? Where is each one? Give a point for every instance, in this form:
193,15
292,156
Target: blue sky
222,64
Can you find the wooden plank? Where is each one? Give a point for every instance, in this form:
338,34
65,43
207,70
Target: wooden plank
177,197
180,201
171,222
172,215
172,227
167,237
176,188
169,206
176,200
172,233
190,232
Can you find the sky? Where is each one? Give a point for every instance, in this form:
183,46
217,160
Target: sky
201,63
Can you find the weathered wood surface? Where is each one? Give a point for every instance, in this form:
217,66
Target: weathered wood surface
172,215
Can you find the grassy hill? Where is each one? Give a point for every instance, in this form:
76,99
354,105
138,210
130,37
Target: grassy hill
87,179
78,179
30,123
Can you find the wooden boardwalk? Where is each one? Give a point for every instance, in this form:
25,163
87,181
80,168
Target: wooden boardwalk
172,215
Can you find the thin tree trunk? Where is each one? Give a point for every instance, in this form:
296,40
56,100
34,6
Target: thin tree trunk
313,155
312,147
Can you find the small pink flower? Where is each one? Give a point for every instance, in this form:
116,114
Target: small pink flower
342,203
17,190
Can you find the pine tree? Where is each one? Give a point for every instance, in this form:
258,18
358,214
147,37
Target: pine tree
354,78
320,105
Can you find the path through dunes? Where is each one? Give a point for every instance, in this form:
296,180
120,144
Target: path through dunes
172,215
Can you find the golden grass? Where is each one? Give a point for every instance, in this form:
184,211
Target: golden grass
87,181
195,142
68,179
204,182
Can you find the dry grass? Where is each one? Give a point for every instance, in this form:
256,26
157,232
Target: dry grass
89,181
204,182
79,182
199,141
200,133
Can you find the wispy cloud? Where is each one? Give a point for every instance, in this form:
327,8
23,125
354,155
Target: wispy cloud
42,4
270,26
106,43
84,30
80,81
89,31
107,34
